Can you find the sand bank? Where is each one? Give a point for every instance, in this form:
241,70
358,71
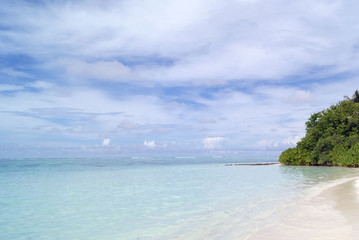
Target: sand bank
331,213
250,164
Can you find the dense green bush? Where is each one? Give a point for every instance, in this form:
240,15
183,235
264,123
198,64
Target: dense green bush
332,137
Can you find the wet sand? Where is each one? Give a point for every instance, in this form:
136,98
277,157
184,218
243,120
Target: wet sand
330,214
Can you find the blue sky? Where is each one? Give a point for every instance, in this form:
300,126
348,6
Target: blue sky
145,78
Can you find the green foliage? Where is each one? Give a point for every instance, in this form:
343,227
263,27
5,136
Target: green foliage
355,97
332,137
295,156
347,157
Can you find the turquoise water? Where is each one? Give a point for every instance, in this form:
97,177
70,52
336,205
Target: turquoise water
146,198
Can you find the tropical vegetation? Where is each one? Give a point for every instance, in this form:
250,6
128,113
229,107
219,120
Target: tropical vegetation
332,137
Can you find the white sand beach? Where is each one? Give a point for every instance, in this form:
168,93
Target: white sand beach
331,213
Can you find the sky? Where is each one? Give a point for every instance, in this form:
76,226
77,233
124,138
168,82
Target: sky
105,78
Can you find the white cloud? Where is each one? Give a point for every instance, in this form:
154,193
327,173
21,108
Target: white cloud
102,70
71,110
128,126
14,73
242,117
79,129
292,140
248,48
9,87
301,97
106,142
212,142
268,144
149,144
204,42
40,85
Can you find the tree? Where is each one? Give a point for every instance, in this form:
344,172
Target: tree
332,137
355,97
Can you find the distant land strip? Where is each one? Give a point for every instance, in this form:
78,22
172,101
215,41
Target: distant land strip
250,164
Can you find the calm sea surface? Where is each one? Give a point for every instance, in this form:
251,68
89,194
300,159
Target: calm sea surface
125,199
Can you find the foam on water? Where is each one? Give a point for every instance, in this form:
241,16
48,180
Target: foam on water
177,198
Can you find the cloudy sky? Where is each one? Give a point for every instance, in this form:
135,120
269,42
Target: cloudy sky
155,77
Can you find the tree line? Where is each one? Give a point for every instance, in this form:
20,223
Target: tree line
332,137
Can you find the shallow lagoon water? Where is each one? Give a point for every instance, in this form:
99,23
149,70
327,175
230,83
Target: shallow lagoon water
187,198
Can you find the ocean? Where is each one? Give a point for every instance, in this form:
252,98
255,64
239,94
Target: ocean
149,198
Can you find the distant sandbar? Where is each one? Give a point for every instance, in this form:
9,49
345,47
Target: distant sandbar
251,164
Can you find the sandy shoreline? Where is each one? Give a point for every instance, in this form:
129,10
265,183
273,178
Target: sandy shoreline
327,211
330,214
